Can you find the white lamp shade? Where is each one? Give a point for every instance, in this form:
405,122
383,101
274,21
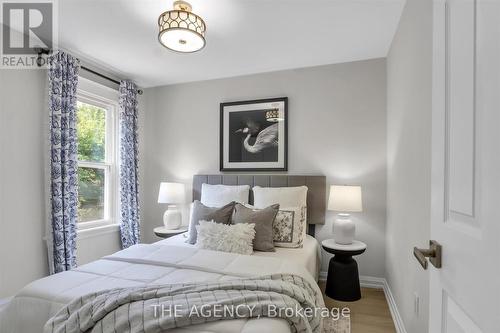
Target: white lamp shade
345,198
172,193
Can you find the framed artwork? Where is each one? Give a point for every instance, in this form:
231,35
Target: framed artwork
254,135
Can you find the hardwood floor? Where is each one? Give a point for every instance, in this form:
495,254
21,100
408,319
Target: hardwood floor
368,315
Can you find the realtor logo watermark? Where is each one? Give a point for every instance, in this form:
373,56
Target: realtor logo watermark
245,311
26,27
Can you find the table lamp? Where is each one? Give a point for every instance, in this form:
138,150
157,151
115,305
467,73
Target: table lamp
172,194
344,199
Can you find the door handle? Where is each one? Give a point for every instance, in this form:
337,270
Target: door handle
433,253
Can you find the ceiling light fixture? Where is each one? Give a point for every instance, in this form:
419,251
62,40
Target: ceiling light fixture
274,115
181,30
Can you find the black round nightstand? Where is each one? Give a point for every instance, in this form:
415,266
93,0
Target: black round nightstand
342,283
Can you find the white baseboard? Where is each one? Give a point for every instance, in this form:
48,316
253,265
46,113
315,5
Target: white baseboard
379,283
396,317
372,282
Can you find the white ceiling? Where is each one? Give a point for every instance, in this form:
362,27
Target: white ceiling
243,36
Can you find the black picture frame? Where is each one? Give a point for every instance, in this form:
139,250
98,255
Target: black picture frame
283,135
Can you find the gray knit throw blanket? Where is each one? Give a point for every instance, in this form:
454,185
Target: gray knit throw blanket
158,308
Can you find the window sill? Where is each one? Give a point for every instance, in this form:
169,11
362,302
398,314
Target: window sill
97,231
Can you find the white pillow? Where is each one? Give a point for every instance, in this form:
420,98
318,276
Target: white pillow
221,195
236,238
289,227
284,196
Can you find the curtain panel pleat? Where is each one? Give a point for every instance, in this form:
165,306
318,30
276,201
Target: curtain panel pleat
129,165
61,240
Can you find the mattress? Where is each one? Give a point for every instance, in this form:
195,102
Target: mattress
308,256
168,261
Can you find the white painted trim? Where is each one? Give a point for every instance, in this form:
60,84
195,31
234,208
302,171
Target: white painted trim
97,231
379,283
95,94
396,316
371,282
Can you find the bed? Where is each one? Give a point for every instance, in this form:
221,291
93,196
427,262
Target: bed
173,261
309,256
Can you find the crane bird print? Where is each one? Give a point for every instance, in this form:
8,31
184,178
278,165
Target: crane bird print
266,138
253,135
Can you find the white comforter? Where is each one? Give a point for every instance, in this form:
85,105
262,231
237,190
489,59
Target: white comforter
308,256
146,265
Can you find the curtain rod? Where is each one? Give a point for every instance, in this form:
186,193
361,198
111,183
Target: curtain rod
41,51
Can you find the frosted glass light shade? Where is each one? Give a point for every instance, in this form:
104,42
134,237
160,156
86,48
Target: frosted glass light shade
345,198
182,40
172,193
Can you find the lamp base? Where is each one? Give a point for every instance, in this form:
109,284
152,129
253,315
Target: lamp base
344,229
172,218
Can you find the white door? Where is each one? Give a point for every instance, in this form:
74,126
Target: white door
465,292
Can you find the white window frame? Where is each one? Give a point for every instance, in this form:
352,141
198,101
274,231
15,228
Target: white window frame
110,165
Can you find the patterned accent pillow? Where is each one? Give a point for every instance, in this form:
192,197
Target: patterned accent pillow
289,226
236,238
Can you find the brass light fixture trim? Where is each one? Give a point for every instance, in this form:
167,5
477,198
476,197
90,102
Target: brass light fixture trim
274,115
181,30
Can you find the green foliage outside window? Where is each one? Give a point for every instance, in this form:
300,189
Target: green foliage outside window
91,127
91,132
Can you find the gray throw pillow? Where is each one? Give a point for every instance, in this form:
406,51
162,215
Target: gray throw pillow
263,220
204,213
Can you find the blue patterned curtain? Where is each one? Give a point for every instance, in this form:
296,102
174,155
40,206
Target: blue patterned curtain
63,80
129,184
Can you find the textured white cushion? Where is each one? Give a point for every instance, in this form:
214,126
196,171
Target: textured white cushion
237,238
220,195
284,196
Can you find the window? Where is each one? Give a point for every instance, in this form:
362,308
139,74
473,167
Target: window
96,131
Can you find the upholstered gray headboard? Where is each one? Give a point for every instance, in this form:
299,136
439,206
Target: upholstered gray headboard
316,193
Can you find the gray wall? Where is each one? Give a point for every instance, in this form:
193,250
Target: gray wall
23,131
337,127
409,97
22,203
